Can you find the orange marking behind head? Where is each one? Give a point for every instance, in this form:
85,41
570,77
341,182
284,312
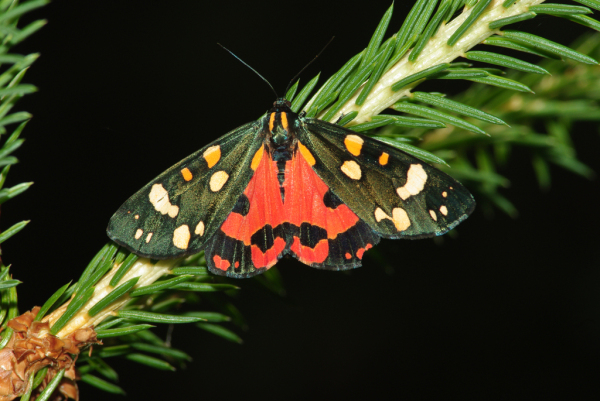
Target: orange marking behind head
187,174
271,121
284,121
306,153
257,158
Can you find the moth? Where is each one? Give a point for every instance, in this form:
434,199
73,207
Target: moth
288,184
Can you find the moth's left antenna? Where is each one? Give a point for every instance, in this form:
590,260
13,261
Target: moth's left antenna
246,64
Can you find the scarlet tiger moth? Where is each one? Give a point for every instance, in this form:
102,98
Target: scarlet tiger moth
287,184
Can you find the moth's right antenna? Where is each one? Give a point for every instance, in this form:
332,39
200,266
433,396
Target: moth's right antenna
311,61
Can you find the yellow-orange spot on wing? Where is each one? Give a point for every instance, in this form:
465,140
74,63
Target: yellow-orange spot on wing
445,194
384,158
400,219
351,169
433,215
137,216
138,233
199,229
271,122
415,182
212,155
444,210
187,174
348,255
148,237
257,158
284,121
181,236
354,144
159,198
217,180
310,159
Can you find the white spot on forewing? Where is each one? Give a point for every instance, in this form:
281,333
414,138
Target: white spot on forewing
138,233
415,182
400,219
433,215
444,210
181,236
380,215
148,237
159,198
351,169
173,211
199,229
217,180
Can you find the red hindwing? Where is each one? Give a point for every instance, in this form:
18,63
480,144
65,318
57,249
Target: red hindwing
310,222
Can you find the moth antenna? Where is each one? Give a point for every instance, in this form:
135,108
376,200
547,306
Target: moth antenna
309,63
246,64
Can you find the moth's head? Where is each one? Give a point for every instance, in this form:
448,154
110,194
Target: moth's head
281,104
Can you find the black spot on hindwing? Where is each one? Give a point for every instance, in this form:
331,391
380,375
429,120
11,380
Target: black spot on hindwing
310,235
265,237
242,206
331,200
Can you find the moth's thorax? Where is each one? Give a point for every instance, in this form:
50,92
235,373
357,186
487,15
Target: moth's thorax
280,124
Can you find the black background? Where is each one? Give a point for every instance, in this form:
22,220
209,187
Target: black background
510,308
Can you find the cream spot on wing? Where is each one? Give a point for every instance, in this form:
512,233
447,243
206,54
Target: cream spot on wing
173,211
415,182
403,193
354,144
149,237
159,198
138,233
445,194
444,210
433,215
217,180
181,236
137,216
212,155
400,219
351,169
380,215
199,229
